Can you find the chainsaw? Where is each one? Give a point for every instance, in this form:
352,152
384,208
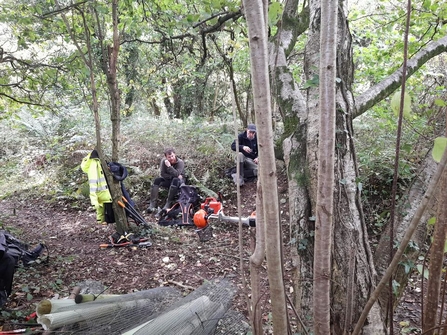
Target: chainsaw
212,209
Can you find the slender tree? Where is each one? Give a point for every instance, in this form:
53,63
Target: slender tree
256,14
326,147
109,59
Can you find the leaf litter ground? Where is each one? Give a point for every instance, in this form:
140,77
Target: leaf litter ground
176,257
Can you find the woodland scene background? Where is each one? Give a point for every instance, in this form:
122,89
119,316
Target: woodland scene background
131,77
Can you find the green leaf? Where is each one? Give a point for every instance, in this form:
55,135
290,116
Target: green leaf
192,17
419,267
314,82
275,12
440,103
395,104
439,148
216,4
426,4
431,221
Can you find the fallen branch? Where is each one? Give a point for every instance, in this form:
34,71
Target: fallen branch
180,284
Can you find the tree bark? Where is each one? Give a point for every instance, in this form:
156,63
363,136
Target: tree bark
256,14
404,215
110,69
352,271
256,260
436,261
324,204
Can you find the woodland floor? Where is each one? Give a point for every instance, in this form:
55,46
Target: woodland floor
73,239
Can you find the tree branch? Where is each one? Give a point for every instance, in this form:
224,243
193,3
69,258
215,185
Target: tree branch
387,86
216,27
29,103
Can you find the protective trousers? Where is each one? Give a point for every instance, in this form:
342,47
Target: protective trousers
153,198
173,192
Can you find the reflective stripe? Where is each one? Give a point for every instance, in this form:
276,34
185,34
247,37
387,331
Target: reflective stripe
97,188
97,181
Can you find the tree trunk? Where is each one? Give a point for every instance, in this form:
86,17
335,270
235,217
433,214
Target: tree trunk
324,212
111,72
436,261
256,260
352,269
404,215
109,61
256,14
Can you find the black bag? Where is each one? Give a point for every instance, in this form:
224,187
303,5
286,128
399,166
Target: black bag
19,250
119,173
109,214
182,212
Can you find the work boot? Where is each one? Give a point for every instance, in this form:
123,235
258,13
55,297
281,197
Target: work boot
153,199
173,191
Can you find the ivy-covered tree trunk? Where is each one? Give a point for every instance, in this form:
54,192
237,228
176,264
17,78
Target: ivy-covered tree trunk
353,272
352,267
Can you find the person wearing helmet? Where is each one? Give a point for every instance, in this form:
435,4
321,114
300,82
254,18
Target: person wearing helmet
172,176
247,157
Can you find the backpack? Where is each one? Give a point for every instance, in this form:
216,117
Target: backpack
119,173
19,250
182,212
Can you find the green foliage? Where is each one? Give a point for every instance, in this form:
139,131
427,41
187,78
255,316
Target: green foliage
395,104
204,146
420,268
378,36
439,148
274,13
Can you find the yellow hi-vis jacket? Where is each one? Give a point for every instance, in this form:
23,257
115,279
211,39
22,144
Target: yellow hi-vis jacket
99,190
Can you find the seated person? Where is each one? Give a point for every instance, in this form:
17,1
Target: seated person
248,153
172,176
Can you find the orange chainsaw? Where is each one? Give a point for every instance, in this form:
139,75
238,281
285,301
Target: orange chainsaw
212,209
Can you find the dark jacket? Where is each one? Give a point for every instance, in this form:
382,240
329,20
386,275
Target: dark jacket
119,172
244,141
173,171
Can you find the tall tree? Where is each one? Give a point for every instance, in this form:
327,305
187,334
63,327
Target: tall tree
256,13
108,62
326,146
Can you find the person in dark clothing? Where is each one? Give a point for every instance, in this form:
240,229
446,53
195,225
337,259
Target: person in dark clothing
7,269
172,176
247,157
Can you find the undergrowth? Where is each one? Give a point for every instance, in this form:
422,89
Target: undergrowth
46,160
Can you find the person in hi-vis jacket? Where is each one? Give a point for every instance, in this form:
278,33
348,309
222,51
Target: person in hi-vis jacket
99,190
